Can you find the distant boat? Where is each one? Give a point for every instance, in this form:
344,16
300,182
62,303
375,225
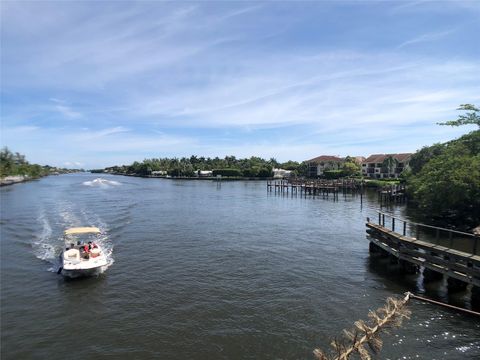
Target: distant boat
100,182
82,255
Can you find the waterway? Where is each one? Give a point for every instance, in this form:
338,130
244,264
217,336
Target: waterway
204,270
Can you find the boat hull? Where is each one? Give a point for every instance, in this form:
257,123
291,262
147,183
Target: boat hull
75,273
74,265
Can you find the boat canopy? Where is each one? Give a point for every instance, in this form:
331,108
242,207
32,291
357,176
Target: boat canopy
82,230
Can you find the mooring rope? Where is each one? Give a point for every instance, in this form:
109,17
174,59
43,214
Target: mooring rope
367,334
354,341
443,304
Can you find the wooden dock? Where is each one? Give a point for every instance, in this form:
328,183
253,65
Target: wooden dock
323,188
438,251
392,194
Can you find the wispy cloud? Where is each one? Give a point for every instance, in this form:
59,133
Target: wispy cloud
73,164
95,148
96,135
64,109
426,38
280,80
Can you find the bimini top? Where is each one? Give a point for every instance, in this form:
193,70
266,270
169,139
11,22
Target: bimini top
82,230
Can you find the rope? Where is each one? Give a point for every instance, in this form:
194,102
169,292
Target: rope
382,322
443,304
354,341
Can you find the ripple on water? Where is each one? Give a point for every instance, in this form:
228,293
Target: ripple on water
202,271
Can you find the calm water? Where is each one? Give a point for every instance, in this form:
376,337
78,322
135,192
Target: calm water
203,271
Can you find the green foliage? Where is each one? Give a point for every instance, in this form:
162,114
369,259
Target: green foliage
303,169
12,164
290,165
351,167
227,172
445,180
333,174
379,183
471,117
187,167
449,187
421,157
389,164
265,172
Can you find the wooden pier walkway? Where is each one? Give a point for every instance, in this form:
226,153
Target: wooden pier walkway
438,251
316,187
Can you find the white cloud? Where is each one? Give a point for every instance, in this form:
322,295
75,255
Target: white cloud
87,135
336,94
57,146
426,38
164,79
67,111
74,164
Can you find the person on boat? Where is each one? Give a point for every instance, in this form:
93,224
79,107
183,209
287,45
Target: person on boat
92,245
86,251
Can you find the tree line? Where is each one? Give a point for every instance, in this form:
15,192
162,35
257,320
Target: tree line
228,166
253,167
15,164
444,179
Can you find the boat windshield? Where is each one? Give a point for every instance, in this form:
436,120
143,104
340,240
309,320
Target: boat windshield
82,230
75,237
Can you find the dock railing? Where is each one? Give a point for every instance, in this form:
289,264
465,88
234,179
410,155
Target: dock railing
448,238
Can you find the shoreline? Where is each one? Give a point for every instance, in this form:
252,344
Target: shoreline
211,178
12,180
369,183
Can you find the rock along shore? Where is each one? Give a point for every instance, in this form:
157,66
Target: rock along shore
10,180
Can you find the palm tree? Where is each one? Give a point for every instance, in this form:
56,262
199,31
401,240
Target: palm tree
389,165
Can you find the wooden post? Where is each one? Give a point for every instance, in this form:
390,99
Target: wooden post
455,285
373,248
475,296
404,228
430,275
407,267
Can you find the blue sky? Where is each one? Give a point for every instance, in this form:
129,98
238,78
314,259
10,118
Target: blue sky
95,84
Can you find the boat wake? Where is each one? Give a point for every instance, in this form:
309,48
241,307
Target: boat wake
100,182
48,244
43,246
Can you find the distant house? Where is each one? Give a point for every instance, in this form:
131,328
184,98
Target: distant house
383,166
359,159
159,173
204,173
318,165
281,173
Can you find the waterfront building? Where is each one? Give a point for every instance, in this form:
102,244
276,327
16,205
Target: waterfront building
281,173
384,166
318,165
204,173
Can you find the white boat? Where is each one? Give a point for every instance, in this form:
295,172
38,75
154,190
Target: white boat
100,181
82,255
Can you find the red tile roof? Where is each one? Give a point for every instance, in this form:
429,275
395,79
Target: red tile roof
326,158
379,158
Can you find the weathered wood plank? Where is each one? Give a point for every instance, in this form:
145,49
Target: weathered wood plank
455,264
